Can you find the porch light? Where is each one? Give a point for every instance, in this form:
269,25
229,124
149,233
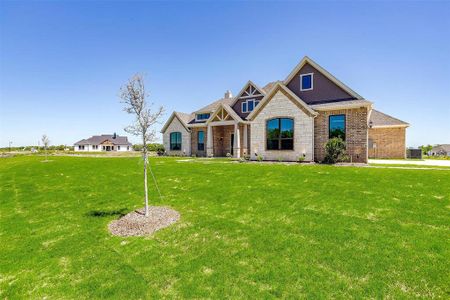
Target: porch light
370,124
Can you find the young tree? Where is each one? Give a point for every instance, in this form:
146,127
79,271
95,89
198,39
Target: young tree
45,142
133,95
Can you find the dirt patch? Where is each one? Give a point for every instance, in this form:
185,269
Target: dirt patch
137,224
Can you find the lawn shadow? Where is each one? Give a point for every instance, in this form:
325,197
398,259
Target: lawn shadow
107,213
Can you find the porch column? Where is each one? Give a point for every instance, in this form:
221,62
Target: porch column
209,142
245,146
237,141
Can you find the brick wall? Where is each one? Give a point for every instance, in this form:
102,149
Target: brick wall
387,142
356,133
194,141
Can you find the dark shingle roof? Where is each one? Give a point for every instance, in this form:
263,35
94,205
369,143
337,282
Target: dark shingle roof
98,139
377,118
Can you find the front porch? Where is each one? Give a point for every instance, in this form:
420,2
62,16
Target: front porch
227,139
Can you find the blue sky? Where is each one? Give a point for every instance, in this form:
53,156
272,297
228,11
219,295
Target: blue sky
62,63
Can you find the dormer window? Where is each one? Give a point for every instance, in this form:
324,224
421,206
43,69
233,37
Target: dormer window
202,117
249,105
306,82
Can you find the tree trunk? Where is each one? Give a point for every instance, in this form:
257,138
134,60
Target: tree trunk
145,177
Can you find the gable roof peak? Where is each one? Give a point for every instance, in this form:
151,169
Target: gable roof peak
324,72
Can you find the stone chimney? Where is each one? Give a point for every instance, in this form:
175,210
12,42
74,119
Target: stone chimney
228,94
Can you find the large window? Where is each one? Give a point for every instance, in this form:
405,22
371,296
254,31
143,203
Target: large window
337,126
175,141
280,134
201,141
306,82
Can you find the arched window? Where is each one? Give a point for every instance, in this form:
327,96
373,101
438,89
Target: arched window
280,134
175,141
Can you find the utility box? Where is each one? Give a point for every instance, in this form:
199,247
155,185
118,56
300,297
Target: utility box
414,153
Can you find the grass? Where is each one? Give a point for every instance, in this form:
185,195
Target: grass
411,166
246,230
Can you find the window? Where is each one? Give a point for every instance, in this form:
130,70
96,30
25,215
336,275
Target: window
201,141
128,148
201,117
175,141
81,147
94,147
280,134
118,147
337,126
244,106
249,105
306,82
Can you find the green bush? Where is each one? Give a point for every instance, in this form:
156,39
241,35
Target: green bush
335,151
154,147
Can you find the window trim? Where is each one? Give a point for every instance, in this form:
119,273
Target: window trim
255,103
345,125
301,82
170,141
279,139
198,140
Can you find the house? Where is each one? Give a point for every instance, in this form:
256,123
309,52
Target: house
287,120
104,142
440,150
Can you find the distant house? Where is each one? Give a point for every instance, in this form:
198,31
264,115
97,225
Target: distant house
440,150
104,142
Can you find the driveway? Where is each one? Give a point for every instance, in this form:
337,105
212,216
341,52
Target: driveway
425,162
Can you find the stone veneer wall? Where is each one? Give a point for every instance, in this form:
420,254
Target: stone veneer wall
388,142
356,133
176,126
194,140
281,106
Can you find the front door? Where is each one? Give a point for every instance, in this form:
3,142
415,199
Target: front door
232,144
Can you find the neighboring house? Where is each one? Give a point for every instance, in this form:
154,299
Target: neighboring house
440,150
104,142
286,120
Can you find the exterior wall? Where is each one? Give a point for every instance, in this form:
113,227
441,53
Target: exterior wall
176,126
356,133
194,140
281,106
237,107
323,88
387,142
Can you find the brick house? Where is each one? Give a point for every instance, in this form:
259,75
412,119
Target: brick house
287,120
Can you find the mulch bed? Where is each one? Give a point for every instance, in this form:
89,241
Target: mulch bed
137,224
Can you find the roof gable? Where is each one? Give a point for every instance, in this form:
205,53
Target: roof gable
279,86
182,117
307,61
224,113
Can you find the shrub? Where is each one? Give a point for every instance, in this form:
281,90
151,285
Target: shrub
259,157
335,151
301,159
229,155
247,157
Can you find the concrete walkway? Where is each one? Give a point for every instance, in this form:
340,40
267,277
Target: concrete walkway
425,162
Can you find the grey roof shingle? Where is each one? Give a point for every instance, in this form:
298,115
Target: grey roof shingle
377,118
213,106
98,139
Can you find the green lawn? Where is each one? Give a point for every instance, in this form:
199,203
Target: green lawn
246,231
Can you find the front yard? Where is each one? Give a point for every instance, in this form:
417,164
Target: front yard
246,230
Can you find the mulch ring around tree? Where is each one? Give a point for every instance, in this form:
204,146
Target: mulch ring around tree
137,224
